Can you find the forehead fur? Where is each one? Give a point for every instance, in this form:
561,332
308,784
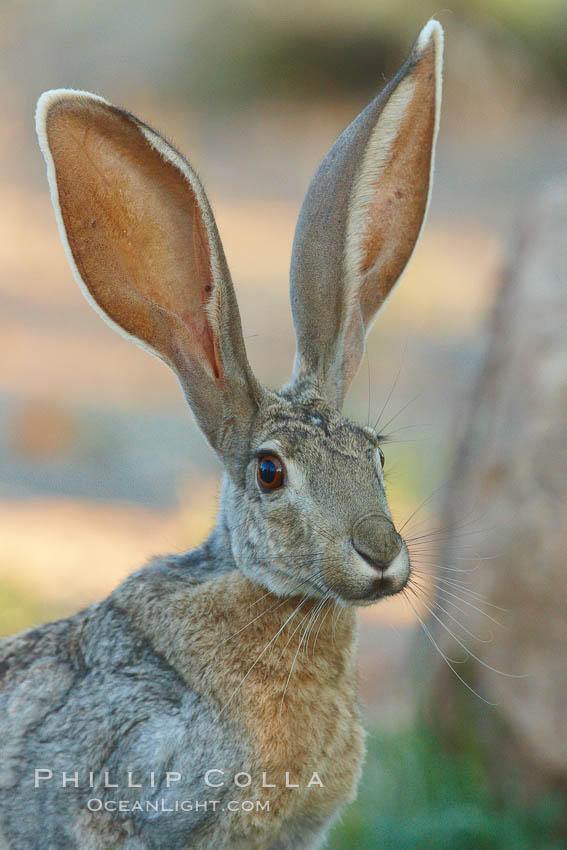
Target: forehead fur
299,421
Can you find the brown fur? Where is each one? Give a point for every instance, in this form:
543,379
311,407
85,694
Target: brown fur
317,725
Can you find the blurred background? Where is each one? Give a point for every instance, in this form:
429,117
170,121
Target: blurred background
101,465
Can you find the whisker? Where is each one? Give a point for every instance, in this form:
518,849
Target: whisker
471,634
341,609
440,589
393,387
277,634
293,665
268,592
412,589
368,369
456,584
420,506
330,599
452,528
400,411
446,660
470,652
438,573
294,632
443,567
313,620
271,608
441,580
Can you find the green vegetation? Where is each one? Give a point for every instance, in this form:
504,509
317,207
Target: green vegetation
416,796
324,46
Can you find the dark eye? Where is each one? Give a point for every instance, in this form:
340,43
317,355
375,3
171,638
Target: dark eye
270,472
382,458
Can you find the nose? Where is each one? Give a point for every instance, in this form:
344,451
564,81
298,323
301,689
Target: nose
376,540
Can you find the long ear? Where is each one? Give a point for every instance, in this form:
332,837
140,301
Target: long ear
361,219
143,245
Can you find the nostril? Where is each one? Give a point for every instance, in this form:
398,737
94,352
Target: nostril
379,566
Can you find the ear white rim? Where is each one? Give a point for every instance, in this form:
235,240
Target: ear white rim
433,30
44,103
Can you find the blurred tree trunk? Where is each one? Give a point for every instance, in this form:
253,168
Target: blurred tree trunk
511,474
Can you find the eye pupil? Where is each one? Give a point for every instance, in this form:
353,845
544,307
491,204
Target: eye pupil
267,471
270,472
382,458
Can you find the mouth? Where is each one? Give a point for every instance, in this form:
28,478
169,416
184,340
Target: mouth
387,586
382,582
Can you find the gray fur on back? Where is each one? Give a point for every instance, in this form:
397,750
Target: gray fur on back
90,693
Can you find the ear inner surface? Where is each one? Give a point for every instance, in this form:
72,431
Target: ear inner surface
392,189
134,228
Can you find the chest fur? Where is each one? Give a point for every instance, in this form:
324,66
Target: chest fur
283,675
286,672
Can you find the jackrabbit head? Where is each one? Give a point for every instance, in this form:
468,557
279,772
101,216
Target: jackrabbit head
303,502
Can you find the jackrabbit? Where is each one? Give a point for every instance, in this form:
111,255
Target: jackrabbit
179,712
